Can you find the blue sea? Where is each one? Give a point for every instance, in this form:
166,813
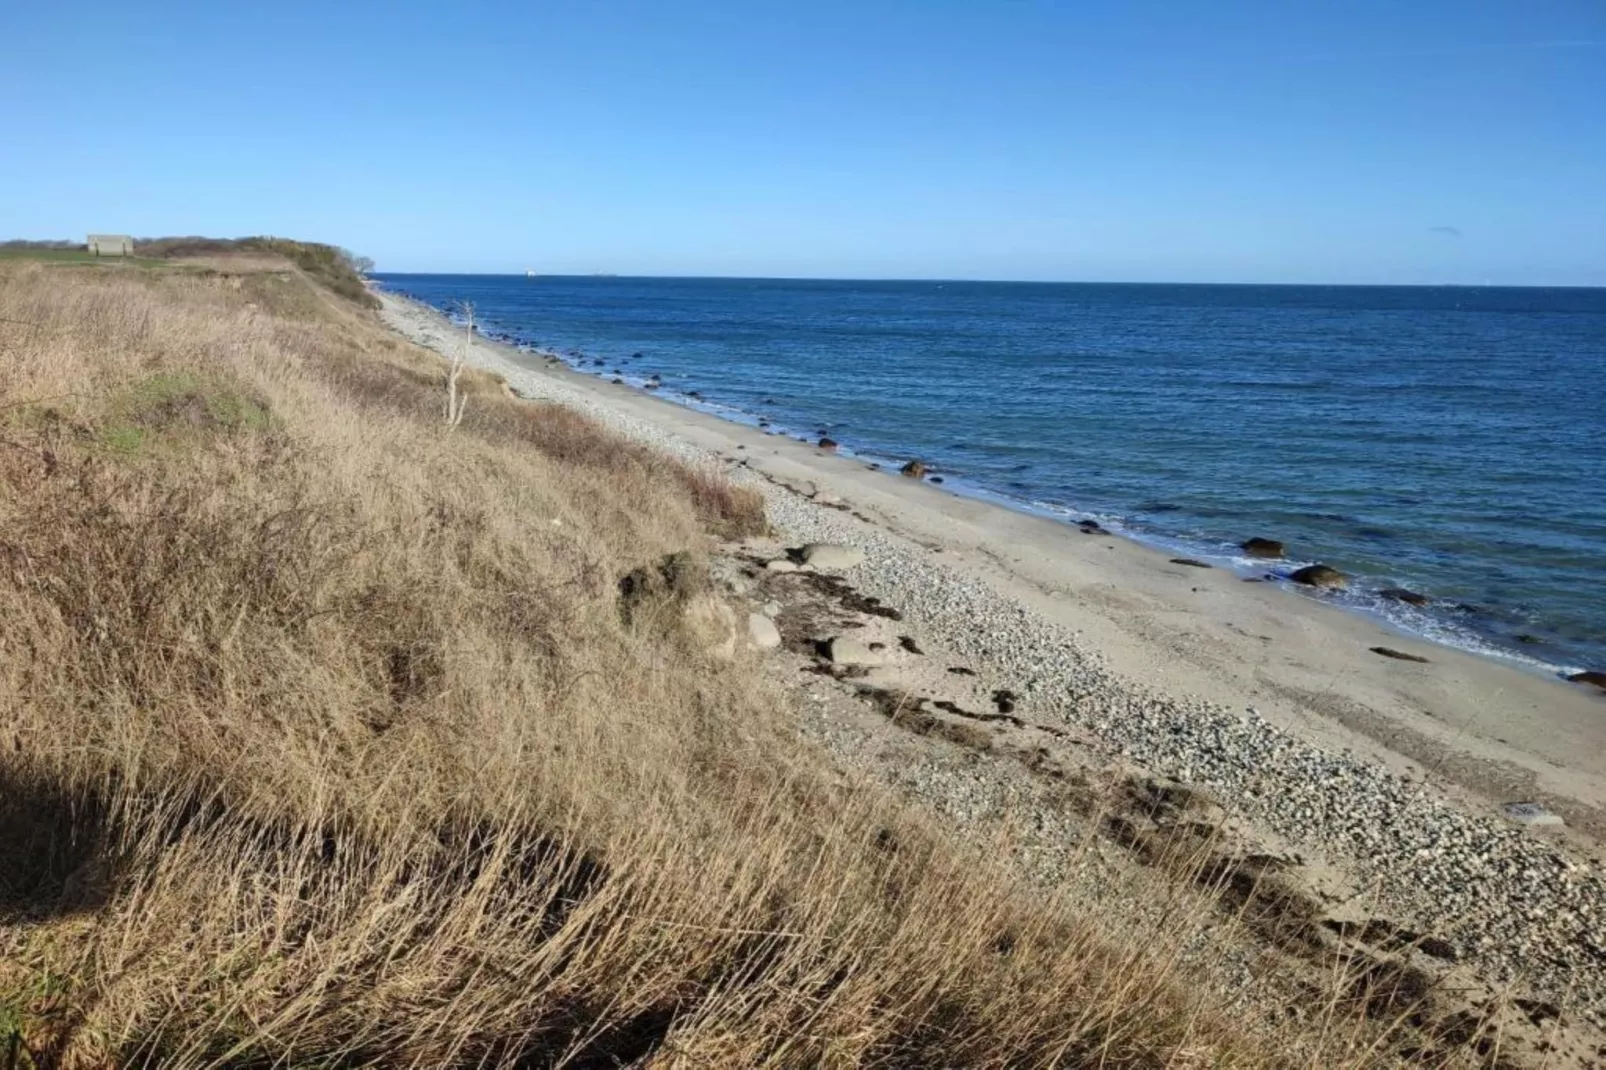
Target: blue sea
1447,440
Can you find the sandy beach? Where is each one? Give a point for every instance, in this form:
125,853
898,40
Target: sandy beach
1395,773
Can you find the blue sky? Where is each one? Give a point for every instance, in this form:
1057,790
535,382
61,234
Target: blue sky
1421,142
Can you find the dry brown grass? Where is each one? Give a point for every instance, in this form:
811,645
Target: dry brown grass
324,742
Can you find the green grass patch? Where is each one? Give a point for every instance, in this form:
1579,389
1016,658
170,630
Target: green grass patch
50,255
78,258
178,405
123,440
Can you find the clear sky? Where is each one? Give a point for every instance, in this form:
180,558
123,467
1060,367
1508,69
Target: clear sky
1358,141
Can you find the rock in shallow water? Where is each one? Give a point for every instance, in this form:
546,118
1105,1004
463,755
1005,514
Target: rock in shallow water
1319,576
1590,677
914,470
1400,594
1258,547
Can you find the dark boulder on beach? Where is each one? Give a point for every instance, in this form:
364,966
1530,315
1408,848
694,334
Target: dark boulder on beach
1590,677
1091,527
1400,594
616,381
827,444
936,479
913,469
1258,547
1319,576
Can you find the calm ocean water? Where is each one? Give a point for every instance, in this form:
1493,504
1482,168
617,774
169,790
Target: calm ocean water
1447,440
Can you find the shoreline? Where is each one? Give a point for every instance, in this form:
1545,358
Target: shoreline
1445,622
1393,773
1480,721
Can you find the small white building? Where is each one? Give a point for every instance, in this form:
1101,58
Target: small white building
111,245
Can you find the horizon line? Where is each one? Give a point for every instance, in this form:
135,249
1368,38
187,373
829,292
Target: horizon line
1004,282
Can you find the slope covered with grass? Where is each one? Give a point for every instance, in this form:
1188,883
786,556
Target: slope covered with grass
324,740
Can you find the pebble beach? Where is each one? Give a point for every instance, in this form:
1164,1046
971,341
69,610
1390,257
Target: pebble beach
1520,904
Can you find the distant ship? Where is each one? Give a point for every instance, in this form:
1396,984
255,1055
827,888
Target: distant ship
529,273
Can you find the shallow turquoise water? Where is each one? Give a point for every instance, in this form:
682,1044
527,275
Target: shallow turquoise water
1448,440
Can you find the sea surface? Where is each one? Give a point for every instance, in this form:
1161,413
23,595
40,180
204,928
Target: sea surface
1447,440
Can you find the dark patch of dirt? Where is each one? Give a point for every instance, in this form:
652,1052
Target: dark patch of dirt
997,718
815,604
1539,1011
1272,905
909,711
839,590
676,577
1166,800
1389,990
1387,936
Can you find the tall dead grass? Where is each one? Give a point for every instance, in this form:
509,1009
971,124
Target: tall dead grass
323,742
